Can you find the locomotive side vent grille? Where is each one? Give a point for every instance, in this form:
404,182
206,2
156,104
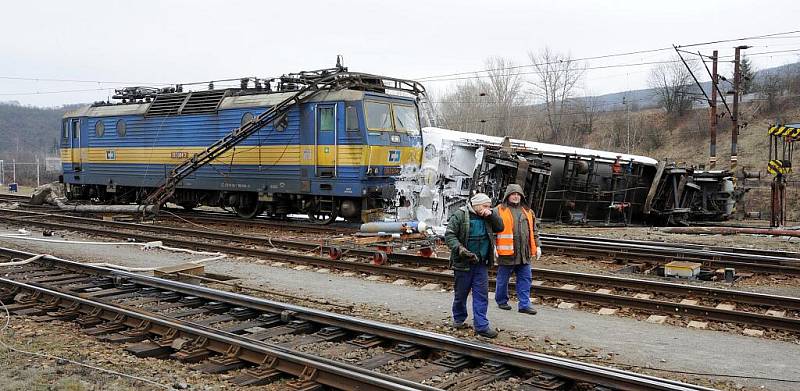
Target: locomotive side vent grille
166,104
203,102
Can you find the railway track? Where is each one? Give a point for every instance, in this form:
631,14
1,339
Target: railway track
649,296
7,197
223,331
754,260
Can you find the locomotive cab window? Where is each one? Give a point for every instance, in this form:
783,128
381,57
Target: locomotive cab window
64,130
351,118
379,116
327,118
405,119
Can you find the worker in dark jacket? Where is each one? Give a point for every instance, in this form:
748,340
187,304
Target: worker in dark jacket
470,237
516,245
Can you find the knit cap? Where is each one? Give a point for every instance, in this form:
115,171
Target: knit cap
480,199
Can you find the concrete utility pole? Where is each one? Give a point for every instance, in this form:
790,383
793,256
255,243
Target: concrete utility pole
735,118
712,155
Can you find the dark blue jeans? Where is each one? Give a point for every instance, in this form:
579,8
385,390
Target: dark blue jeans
477,281
523,273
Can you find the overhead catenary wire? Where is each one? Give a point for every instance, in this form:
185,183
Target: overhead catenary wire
644,51
438,78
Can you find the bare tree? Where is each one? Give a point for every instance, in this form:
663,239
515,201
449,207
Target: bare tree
462,108
503,89
489,105
674,86
556,81
770,88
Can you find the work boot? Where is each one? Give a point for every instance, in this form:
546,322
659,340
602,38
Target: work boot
459,325
488,333
504,306
529,311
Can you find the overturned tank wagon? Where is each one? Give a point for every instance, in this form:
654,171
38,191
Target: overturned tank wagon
326,143
565,184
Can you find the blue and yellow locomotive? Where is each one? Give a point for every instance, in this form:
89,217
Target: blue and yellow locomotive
334,154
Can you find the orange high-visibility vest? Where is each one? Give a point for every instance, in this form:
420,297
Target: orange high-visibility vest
504,244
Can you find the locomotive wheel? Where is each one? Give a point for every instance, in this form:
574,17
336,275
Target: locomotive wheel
319,214
321,218
249,211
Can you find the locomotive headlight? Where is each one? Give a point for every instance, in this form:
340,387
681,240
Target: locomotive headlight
395,139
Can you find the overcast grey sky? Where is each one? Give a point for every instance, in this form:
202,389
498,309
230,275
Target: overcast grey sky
150,42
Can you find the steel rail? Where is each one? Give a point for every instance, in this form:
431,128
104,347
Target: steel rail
331,373
680,245
568,245
659,306
610,377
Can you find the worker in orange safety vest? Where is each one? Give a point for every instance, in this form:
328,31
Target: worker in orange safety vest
516,245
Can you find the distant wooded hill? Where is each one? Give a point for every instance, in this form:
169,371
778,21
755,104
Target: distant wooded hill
647,98
27,132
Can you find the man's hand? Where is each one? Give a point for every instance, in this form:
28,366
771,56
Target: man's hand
538,253
486,212
469,255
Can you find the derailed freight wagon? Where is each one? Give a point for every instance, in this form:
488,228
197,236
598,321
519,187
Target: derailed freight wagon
583,185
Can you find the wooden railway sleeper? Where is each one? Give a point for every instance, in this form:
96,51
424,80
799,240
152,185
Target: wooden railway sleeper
192,351
67,313
547,381
41,307
112,326
224,362
305,382
488,372
90,319
262,374
135,334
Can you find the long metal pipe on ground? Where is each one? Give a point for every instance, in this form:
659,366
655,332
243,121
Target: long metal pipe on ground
147,209
731,231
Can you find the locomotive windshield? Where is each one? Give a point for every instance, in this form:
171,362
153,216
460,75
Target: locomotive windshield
392,117
379,116
405,119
